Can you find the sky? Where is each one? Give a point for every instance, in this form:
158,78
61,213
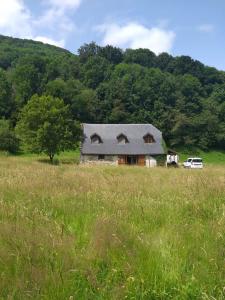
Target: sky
179,27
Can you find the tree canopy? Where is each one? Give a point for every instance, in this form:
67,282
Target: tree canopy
181,96
45,125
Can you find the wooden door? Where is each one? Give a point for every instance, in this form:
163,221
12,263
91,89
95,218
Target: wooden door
141,160
121,160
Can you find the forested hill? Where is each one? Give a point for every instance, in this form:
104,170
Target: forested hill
179,95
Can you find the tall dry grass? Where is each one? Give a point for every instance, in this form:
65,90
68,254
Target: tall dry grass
73,232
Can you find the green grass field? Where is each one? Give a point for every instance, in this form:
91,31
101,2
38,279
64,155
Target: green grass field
211,157
76,232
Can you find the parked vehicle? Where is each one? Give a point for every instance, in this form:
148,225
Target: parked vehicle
172,159
193,163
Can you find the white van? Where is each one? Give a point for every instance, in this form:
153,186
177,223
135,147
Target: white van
193,163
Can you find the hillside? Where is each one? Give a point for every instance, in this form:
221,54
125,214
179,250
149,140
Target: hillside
182,97
12,49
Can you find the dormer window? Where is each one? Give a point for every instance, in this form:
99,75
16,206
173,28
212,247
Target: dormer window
122,139
96,139
148,139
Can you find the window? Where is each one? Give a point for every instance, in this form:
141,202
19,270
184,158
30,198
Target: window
132,160
95,139
101,157
197,160
149,139
122,139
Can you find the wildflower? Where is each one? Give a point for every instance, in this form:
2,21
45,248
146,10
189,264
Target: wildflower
131,278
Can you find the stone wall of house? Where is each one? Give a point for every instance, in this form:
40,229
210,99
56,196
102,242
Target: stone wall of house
94,159
150,161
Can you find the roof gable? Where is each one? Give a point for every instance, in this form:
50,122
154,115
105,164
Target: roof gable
110,132
122,138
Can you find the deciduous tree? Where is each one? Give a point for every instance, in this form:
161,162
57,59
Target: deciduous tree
46,126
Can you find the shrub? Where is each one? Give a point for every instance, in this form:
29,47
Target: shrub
8,140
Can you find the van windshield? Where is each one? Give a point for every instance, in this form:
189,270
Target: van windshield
197,160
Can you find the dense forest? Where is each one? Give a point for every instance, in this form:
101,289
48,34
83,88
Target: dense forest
182,97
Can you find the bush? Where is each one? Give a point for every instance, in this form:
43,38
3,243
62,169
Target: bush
8,140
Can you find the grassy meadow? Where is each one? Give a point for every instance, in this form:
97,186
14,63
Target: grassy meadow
78,232
209,158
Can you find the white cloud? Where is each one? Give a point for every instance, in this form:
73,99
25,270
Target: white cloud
207,28
65,4
47,40
57,15
15,18
134,35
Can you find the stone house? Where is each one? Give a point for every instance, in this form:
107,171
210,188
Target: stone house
121,144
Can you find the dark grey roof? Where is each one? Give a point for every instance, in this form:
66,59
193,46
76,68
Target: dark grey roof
109,133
